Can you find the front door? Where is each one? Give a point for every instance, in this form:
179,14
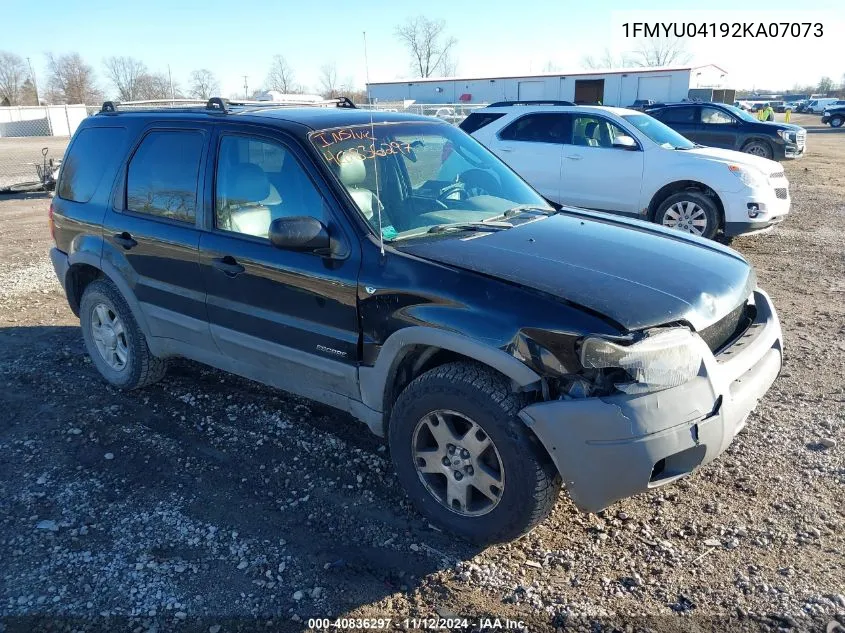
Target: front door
151,232
287,318
717,128
532,146
597,175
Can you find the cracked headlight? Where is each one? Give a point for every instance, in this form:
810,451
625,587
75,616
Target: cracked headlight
663,360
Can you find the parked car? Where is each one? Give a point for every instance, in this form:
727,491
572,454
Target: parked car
834,115
817,106
722,125
626,162
501,346
641,104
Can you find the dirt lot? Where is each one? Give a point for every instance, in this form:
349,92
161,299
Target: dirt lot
210,503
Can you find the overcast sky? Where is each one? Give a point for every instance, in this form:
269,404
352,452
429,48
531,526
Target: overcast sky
236,38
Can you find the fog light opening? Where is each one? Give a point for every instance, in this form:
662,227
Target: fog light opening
753,209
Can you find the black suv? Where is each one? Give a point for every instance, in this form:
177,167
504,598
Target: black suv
501,345
729,127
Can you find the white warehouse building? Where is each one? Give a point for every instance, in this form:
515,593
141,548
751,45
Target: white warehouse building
615,87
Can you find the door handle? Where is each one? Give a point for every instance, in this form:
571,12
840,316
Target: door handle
574,156
506,149
228,265
125,240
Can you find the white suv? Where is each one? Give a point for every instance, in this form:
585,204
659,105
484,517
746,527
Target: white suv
623,161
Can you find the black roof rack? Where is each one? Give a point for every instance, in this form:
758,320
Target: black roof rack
218,105
504,104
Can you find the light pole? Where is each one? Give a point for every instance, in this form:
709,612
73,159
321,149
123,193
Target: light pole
246,88
34,82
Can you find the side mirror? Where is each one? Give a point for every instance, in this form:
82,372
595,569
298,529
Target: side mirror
300,233
624,142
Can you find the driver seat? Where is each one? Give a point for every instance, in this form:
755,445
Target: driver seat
352,174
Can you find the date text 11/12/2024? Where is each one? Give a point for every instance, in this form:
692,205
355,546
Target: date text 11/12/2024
418,624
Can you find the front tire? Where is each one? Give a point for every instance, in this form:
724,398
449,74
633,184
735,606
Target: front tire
758,148
836,121
466,460
689,211
114,341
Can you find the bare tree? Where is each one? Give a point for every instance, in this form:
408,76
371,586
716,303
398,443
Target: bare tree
13,74
71,80
449,65
157,86
203,84
280,77
550,67
825,85
125,74
328,81
661,51
427,44
606,60
29,95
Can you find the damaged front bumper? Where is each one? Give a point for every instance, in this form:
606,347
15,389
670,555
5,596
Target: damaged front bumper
613,447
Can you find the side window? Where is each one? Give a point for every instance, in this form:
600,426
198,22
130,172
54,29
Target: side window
259,181
715,116
163,174
93,151
541,127
591,131
477,120
678,115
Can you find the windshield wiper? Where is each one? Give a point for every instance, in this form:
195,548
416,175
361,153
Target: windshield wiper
470,226
527,208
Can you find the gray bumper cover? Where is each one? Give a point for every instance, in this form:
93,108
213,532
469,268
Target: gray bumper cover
610,448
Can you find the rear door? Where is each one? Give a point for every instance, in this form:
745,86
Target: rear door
597,175
290,315
717,128
533,147
682,119
151,233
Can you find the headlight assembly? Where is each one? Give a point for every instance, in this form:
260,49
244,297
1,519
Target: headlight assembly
749,176
787,135
663,360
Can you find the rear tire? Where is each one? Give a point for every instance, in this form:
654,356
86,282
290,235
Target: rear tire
114,341
467,406
758,148
686,210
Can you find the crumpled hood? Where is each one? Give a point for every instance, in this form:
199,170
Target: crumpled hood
634,273
765,165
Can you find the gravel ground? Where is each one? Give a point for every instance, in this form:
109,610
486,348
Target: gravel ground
211,503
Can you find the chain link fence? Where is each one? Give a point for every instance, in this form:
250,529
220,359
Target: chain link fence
25,131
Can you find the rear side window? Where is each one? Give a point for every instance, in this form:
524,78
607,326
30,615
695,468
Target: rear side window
677,115
541,127
478,120
93,151
163,174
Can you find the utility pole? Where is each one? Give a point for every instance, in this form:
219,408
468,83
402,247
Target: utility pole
170,78
34,82
246,88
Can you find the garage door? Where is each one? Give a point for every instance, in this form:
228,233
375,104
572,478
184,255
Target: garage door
654,88
532,90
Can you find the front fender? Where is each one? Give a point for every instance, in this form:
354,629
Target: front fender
373,380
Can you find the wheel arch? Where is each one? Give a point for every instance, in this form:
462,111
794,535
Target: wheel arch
412,351
84,267
683,185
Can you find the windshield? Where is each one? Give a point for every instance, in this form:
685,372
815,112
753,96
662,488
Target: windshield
661,134
421,175
739,113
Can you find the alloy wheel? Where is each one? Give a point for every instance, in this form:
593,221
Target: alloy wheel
686,216
109,336
458,463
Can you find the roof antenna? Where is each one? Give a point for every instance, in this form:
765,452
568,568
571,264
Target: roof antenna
373,135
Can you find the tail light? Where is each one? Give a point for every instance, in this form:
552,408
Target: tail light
51,223
448,148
